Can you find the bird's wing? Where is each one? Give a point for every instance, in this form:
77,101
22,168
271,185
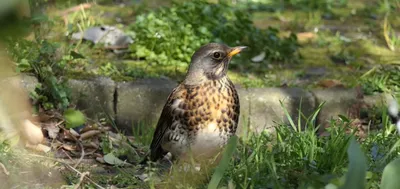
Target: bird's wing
164,122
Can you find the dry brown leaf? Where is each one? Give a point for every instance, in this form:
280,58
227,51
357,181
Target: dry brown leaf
73,132
330,83
88,128
89,134
91,145
69,147
52,129
304,36
106,128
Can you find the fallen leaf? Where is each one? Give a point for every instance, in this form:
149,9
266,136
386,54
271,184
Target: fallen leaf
73,132
89,134
91,145
330,83
68,147
52,129
112,160
89,127
305,36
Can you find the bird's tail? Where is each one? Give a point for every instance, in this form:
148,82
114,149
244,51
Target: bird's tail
394,113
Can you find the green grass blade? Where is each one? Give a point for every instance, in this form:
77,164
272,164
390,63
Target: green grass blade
299,116
392,150
288,116
223,165
355,177
390,175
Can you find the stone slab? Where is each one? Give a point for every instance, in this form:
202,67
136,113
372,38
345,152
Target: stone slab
265,109
337,101
95,97
141,101
29,82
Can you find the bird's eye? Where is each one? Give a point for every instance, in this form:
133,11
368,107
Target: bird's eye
217,55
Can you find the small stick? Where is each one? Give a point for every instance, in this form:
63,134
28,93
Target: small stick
4,169
83,175
76,8
67,154
82,154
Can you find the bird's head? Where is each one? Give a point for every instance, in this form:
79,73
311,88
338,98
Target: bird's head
210,62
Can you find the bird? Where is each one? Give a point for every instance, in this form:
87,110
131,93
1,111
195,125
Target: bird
202,112
394,113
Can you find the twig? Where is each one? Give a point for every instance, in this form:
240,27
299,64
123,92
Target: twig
83,175
82,155
67,154
4,169
69,167
59,123
80,145
76,8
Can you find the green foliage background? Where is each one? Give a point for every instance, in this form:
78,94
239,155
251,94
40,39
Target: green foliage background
171,35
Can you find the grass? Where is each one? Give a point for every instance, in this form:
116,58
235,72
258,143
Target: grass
293,157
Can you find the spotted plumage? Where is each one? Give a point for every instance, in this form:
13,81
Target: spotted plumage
202,112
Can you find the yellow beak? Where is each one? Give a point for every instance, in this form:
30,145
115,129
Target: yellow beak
236,50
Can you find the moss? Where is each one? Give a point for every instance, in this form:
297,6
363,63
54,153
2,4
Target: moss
146,69
349,21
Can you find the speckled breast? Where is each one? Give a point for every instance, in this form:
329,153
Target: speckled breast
204,117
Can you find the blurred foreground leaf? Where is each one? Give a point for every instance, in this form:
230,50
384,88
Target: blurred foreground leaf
224,164
390,174
7,5
355,177
74,118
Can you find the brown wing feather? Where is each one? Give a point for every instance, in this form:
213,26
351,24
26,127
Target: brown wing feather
163,124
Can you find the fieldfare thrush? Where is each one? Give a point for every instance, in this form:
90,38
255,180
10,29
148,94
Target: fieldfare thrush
202,112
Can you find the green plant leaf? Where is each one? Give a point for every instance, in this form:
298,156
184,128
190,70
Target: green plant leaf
344,118
355,177
112,160
390,175
76,55
74,118
223,165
